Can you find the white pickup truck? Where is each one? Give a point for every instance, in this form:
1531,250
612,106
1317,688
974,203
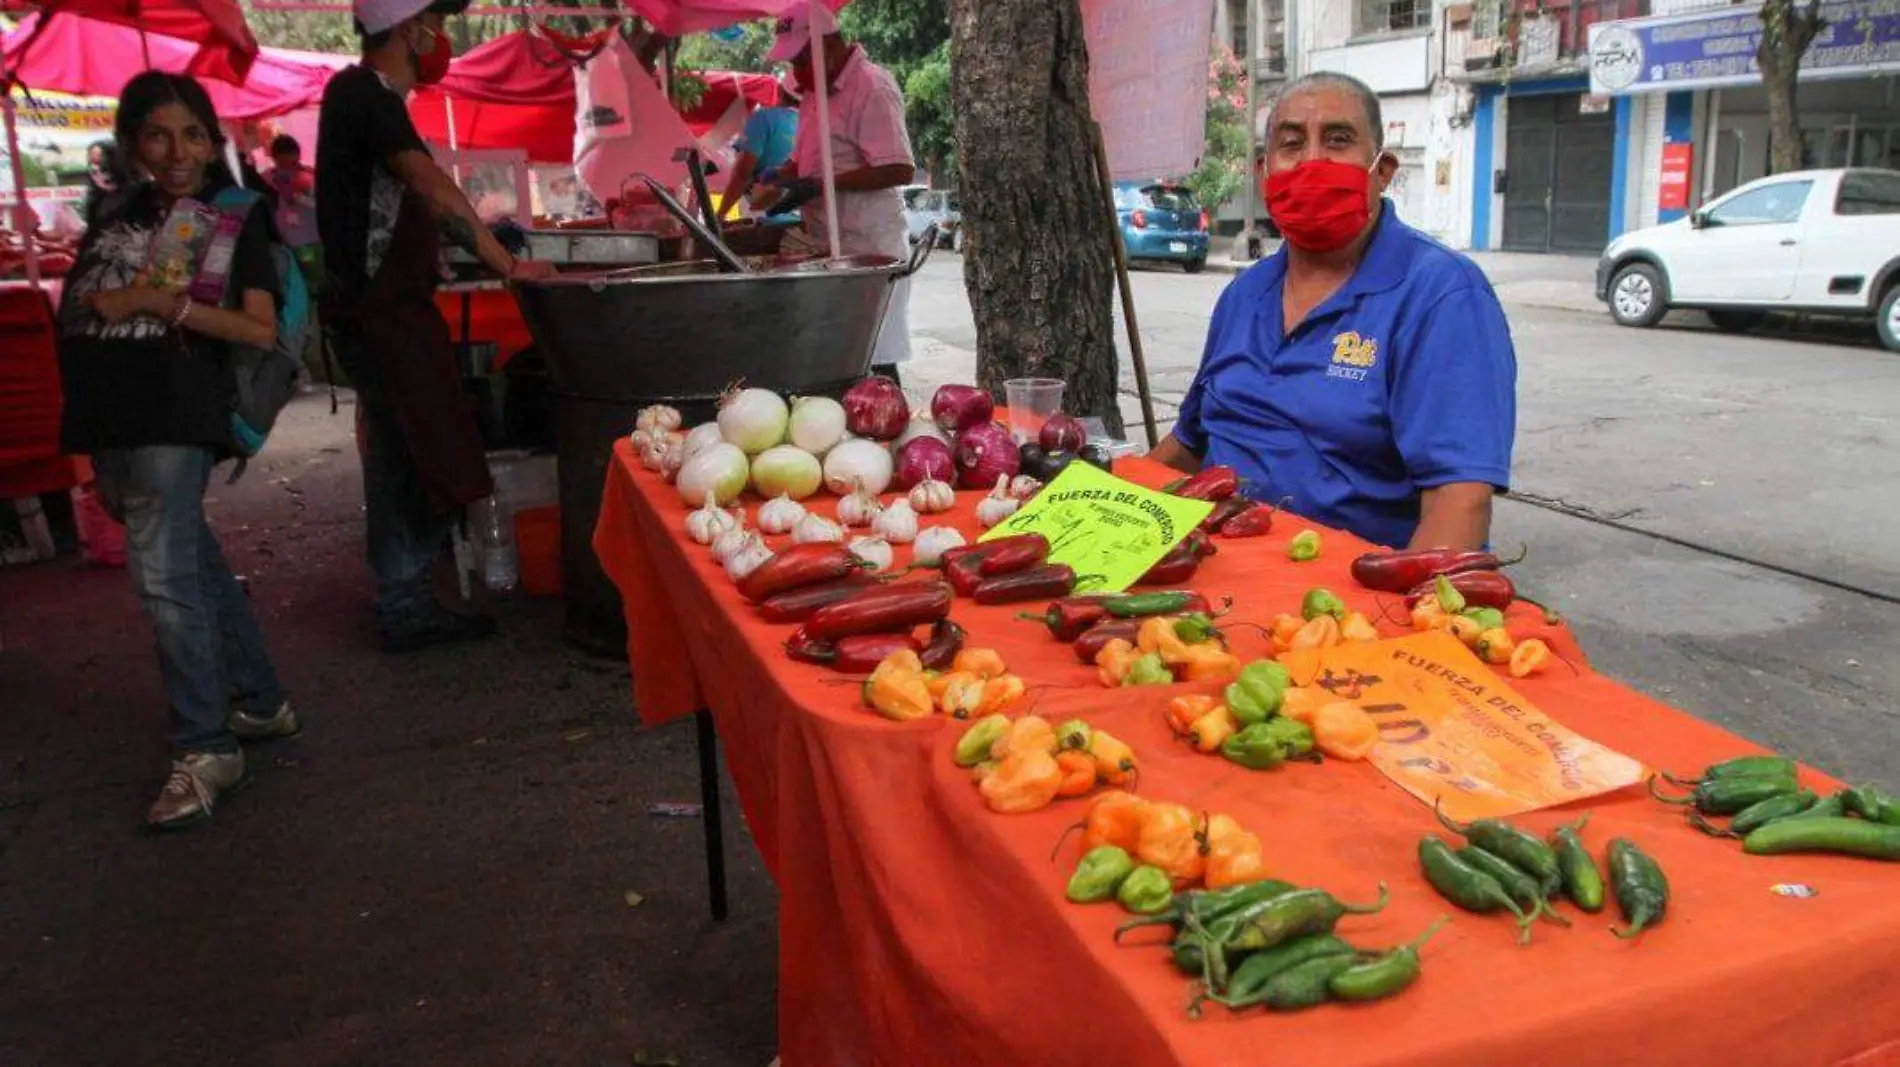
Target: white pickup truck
1823,242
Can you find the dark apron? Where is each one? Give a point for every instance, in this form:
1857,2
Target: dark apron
409,363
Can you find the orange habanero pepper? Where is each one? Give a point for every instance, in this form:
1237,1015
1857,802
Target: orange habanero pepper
1184,709
1026,781
1299,702
1209,663
1031,733
999,693
1114,760
1157,635
1078,773
899,694
1113,661
1285,626
1530,656
1321,632
1358,628
1343,730
1212,728
1462,627
982,662
1114,818
1234,856
1172,840
1495,645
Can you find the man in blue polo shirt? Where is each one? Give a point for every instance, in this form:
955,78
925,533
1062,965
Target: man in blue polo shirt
1365,372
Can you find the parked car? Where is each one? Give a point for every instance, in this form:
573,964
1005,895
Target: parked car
1161,221
1820,242
924,205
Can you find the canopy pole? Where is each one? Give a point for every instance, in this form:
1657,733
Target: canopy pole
1126,285
24,220
455,150
822,69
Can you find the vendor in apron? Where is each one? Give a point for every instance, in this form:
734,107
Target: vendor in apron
382,208
870,151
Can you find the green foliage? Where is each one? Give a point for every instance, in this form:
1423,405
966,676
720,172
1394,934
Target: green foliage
1223,169
927,113
703,51
901,35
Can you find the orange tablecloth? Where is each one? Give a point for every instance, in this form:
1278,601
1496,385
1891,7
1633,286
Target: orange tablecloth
918,927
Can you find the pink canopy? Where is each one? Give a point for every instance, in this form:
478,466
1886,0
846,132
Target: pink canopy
94,59
222,47
677,18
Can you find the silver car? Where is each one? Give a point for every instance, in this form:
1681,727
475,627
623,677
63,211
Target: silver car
924,205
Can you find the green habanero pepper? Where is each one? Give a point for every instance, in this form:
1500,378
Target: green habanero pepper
1100,872
1304,547
1521,886
1196,628
1757,815
1730,794
1466,886
1739,767
1251,978
1147,890
1073,734
1853,837
1254,747
1486,618
974,746
1296,736
1149,669
1525,851
1387,975
1319,602
1255,695
1871,804
1642,890
1583,883
1306,911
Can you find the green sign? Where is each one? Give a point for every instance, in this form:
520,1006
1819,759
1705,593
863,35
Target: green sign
1111,531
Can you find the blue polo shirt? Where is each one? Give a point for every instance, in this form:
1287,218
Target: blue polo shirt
1403,380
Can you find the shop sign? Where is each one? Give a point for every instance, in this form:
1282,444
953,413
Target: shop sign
1716,48
1672,191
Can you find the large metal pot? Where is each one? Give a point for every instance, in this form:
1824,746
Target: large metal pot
680,334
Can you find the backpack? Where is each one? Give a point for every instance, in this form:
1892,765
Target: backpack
264,380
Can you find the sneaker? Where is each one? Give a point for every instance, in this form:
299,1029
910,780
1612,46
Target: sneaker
198,780
281,723
435,625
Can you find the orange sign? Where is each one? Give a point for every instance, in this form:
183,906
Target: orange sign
1451,730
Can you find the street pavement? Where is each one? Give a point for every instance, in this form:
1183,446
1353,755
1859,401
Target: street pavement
461,861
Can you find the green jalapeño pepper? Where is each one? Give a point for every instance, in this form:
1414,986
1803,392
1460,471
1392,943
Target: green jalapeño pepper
1521,886
1523,850
1148,670
1308,911
1852,837
1757,815
974,746
1099,874
1642,891
1466,886
1872,804
1739,767
1321,602
1254,696
1583,883
1304,547
1486,618
1730,794
1073,734
1379,978
1250,980
1256,747
1146,890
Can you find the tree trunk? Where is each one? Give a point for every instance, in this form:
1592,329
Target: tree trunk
1786,31
1038,263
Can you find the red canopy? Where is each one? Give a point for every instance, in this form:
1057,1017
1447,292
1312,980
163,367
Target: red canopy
72,55
517,91
677,18
224,45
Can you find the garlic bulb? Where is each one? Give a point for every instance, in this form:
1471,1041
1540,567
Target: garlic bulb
931,544
658,418
653,453
859,508
730,542
814,527
706,524
897,523
673,460
873,550
641,439
1022,487
999,505
780,514
749,558
931,496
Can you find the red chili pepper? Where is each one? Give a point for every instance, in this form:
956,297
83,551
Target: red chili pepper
1005,555
946,640
1398,572
796,605
797,567
1223,511
1102,633
1253,521
1036,583
1199,544
1210,483
1181,561
882,609
1481,589
1071,616
861,653
805,648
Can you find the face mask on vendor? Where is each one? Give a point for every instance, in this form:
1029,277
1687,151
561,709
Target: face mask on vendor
1320,205
432,64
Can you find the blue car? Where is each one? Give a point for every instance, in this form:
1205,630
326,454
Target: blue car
1161,221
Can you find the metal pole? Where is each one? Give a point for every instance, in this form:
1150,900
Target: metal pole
1256,36
1126,286
821,70
1709,147
706,740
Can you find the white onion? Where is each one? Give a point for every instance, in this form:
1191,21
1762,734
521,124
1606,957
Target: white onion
921,425
858,462
700,438
817,424
753,419
720,470
786,470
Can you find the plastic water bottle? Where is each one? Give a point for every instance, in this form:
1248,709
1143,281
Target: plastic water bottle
501,569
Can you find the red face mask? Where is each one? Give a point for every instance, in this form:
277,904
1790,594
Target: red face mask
432,66
1321,204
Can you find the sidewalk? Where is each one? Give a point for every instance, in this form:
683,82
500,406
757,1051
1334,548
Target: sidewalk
1565,283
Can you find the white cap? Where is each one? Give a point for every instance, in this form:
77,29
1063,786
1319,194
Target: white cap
794,30
379,15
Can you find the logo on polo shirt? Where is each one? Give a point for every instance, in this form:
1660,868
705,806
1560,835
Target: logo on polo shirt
1353,356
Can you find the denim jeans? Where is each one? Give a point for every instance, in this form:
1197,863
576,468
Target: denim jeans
405,535
211,652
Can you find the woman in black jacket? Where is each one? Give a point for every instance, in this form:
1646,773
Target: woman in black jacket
164,283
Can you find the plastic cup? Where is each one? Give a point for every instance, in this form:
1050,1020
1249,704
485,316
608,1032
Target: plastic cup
1029,403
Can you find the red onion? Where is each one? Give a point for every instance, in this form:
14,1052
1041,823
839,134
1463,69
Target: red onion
875,407
1062,433
959,407
985,452
924,457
